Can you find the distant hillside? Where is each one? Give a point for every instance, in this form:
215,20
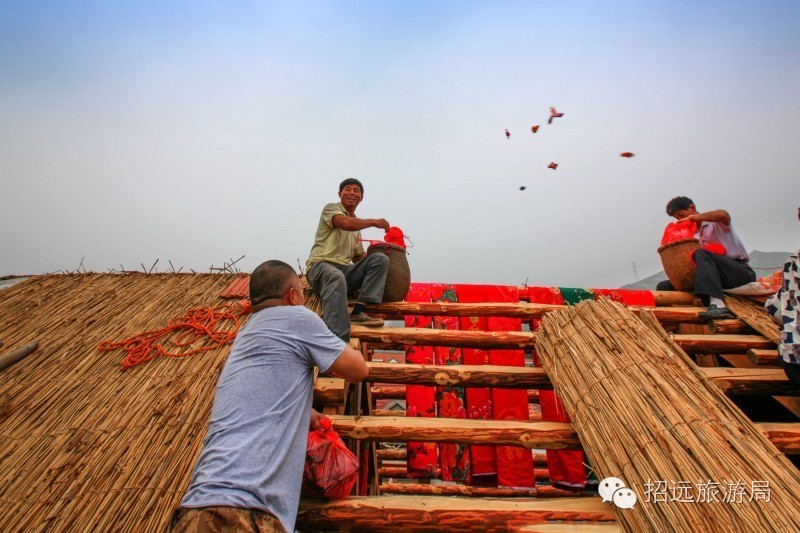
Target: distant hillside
757,260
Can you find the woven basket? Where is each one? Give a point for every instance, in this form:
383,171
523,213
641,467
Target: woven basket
678,265
398,281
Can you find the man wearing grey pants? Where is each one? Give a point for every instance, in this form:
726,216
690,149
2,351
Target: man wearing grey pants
337,265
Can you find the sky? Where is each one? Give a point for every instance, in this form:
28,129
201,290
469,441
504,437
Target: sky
197,132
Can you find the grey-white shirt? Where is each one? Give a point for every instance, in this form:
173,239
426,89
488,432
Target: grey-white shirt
254,451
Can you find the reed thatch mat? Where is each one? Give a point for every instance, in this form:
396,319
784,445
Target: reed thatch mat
645,413
754,315
85,446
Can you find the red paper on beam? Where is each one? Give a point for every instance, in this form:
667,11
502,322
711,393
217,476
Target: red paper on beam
627,297
514,464
453,458
565,467
422,457
483,459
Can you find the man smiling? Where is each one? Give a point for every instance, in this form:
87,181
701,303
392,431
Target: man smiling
337,266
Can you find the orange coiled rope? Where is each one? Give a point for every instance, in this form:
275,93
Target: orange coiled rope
196,324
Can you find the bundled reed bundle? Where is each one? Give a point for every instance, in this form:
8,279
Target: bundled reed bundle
754,315
646,414
86,446
313,301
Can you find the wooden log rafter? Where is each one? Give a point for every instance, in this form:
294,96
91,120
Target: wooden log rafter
526,311
733,381
475,492
407,512
520,340
538,435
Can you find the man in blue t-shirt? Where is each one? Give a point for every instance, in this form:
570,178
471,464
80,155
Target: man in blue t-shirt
250,470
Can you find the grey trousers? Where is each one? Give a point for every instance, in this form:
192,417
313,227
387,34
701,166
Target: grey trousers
334,283
716,272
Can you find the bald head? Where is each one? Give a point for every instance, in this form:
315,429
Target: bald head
271,279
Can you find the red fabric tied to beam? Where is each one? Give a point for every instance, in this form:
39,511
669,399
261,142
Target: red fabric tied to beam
453,458
627,297
422,457
565,466
483,459
514,464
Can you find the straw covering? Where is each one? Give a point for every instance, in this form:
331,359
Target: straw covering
86,446
645,413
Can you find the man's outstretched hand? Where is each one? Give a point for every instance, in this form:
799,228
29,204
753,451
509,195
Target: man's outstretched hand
319,421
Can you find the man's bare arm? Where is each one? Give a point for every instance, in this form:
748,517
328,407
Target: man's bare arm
719,215
356,224
350,365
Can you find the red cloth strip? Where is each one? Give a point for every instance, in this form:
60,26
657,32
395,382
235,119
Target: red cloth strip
422,457
627,296
565,467
483,459
514,464
453,458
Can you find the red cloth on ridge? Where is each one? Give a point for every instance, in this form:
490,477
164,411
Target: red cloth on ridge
565,466
514,464
453,458
422,457
483,459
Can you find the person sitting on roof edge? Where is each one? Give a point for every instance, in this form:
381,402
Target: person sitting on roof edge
714,271
337,265
249,473
784,308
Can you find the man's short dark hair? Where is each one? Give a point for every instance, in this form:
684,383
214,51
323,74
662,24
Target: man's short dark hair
351,181
678,203
270,279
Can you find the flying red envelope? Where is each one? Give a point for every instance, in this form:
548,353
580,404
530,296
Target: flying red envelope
534,129
553,166
508,135
627,154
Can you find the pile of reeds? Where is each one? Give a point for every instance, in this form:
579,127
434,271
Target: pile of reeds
645,413
755,316
86,446
313,300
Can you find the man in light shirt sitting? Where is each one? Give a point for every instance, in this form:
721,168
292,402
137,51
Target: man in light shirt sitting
714,271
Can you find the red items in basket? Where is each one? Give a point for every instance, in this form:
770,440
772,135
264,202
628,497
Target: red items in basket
677,231
395,236
331,469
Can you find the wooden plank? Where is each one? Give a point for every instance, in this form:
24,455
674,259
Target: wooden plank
539,459
400,472
733,381
733,326
751,381
500,340
507,377
20,353
396,513
785,436
398,392
537,435
329,391
768,357
540,435
475,492
526,311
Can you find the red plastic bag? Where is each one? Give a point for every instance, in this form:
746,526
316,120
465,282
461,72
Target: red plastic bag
677,231
395,236
331,469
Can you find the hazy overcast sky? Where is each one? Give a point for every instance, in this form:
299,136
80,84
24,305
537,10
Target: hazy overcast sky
201,131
